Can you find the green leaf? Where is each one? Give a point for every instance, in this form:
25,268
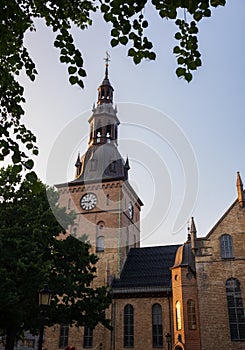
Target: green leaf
114,42
31,177
188,77
178,36
63,59
176,50
29,145
80,83
72,69
17,168
73,79
35,151
16,157
197,16
123,40
137,59
29,164
152,56
114,32
82,72
131,52
104,8
181,60
180,72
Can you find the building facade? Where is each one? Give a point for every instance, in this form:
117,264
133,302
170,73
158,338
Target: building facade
188,296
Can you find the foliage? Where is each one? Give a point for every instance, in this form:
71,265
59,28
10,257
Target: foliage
31,256
128,27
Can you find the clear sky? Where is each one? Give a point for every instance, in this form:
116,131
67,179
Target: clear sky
177,135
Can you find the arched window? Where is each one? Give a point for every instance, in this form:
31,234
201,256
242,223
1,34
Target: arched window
100,241
99,130
128,326
235,309
107,199
157,338
88,337
108,131
191,313
178,316
64,333
226,249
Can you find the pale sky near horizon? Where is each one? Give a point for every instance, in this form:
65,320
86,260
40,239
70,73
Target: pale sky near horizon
208,113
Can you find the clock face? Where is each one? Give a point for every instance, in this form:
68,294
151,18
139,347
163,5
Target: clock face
88,201
130,210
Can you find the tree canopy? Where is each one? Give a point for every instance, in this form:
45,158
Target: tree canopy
31,256
128,25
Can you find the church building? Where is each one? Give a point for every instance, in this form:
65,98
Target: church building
174,297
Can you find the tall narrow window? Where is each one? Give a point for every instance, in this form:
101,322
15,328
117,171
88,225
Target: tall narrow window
108,130
178,315
64,334
191,312
226,249
88,337
107,199
128,326
157,338
100,244
100,237
235,309
69,204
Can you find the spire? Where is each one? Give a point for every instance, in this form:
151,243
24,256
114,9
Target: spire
105,90
78,166
193,233
240,193
126,168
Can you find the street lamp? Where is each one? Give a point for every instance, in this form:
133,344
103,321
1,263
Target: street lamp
168,340
45,295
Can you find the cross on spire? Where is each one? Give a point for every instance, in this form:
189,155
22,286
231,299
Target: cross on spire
107,59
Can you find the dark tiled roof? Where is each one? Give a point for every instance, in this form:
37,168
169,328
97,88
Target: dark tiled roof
147,267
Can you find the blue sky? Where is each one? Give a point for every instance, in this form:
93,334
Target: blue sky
208,112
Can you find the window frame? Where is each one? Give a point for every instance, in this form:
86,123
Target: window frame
128,326
157,326
226,246
87,338
178,317
191,314
64,336
100,244
236,317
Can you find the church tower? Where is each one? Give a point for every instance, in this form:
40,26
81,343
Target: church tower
107,208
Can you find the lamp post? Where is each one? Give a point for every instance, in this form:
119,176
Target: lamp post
168,340
45,295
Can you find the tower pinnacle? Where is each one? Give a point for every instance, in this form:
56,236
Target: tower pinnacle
240,193
105,90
